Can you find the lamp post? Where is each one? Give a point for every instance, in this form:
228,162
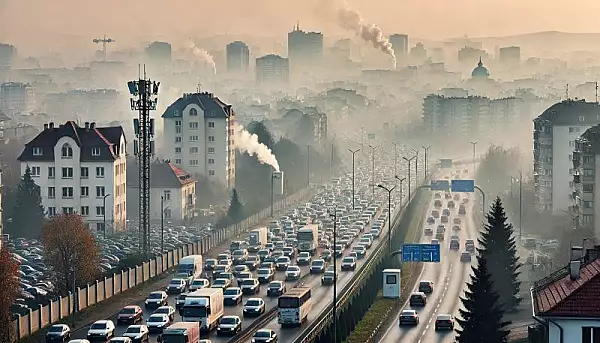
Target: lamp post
104,212
307,166
353,153
389,190
162,225
75,296
395,158
520,204
401,180
416,167
474,145
408,170
426,149
372,171
334,216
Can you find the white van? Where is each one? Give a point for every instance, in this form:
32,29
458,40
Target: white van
192,265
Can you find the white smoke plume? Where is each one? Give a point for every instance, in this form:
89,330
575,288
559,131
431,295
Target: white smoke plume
203,55
248,143
351,20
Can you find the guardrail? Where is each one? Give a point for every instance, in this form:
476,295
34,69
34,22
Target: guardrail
119,282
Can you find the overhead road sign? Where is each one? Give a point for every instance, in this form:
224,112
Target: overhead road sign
466,186
446,162
440,185
421,253
411,253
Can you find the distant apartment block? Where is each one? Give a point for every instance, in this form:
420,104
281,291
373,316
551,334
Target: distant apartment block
586,178
159,52
554,136
238,57
399,44
199,137
510,55
272,69
469,55
8,53
85,104
305,49
17,98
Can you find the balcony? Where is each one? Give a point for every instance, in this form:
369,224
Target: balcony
576,178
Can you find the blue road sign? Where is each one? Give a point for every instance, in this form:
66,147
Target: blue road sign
446,162
430,253
467,186
411,252
440,185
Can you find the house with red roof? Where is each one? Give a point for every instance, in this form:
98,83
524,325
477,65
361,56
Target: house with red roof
567,302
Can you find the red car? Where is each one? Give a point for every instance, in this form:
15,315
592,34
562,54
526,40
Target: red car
130,314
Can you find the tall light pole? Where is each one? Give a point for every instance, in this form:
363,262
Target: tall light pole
372,171
353,154
307,165
395,158
520,204
401,180
75,296
474,145
334,216
426,149
408,170
104,212
416,167
162,225
389,219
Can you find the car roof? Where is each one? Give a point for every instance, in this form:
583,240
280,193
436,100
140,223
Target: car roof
102,321
417,293
131,306
409,311
444,316
233,317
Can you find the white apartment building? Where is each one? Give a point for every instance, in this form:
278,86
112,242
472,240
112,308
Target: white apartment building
272,69
176,187
81,170
554,135
199,137
586,176
16,97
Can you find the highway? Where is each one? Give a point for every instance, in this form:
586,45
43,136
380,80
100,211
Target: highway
449,277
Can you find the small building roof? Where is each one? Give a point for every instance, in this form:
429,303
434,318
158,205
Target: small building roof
212,106
162,175
569,112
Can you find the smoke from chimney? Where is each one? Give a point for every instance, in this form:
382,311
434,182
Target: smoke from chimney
351,20
248,143
203,56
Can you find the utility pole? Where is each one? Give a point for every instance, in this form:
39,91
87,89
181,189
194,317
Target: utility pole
162,225
104,213
408,170
372,171
104,41
353,154
389,190
144,98
395,159
426,148
401,180
474,144
334,216
416,168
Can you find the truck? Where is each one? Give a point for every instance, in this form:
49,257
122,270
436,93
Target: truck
181,332
308,238
257,238
192,266
204,306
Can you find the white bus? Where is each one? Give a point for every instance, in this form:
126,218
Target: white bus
294,306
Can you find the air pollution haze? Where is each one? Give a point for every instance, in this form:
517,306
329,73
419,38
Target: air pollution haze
203,56
248,143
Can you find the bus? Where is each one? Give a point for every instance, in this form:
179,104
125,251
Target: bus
294,306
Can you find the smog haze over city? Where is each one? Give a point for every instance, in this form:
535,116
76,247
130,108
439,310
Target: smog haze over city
427,167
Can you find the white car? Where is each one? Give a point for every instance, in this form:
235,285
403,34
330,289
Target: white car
137,333
156,299
199,284
119,340
254,307
293,273
229,325
101,329
79,341
158,322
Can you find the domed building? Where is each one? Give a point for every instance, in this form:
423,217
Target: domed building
480,72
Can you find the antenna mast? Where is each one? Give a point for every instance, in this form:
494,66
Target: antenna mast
104,41
596,92
567,91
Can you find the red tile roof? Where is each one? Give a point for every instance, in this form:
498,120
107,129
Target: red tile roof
558,295
183,176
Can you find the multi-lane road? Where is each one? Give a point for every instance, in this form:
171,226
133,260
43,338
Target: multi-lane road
449,277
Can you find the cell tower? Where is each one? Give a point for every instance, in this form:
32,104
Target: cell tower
104,41
144,97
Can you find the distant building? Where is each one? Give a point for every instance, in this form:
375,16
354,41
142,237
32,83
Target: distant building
305,49
238,57
176,187
399,44
199,137
84,104
16,97
480,72
586,178
159,52
470,55
8,53
510,55
272,69
81,170
554,136
418,52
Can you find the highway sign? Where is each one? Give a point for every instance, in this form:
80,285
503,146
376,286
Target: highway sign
411,253
446,162
430,253
440,185
467,186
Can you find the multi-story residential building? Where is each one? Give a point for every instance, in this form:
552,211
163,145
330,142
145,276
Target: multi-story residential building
510,54
17,97
585,178
399,44
159,52
199,136
305,49
81,170
454,115
8,53
272,69
554,135
238,57
176,187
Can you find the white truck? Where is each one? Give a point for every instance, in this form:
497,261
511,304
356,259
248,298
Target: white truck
257,239
204,306
308,238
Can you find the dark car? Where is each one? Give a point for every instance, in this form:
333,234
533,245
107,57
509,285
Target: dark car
180,300
408,317
130,315
418,299
317,266
209,264
444,322
426,286
252,262
58,333
326,255
454,245
276,288
264,336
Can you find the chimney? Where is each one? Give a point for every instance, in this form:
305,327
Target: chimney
92,125
576,252
575,268
87,125
45,126
51,125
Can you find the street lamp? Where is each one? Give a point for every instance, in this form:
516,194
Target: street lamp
162,225
334,216
395,158
307,166
416,167
401,180
75,296
104,212
389,219
372,170
408,170
426,148
474,144
353,153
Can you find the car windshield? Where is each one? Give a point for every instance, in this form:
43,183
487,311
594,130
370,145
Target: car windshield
408,313
253,303
329,274
156,319
230,291
293,269
228,320
133,329
211,262
198,282
155,296
127,311
98,326
176,282
275,285
282,260
55,329
248,282
219,282
264,271
348,259
262,334
164,310
304,254
317,263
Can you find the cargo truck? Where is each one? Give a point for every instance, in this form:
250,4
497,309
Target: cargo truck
308,238
257,239
204,306
181,332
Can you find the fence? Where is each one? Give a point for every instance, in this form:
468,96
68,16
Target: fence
120,282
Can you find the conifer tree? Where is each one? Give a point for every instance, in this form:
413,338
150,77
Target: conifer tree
236,209
28,213
497,245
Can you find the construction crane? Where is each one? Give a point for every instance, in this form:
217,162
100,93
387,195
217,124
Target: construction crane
104,41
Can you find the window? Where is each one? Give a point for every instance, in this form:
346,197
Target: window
51,211
85,172
211,172
193,138
211,138
51,192
178,129
85,210
211,124
177,122
178,150
581,118
38,151
193,125
211,150
95,151
67,192
574,129
67,210
85,192
571,144
178,161
51,172
211,161
193,162
570,157
67,173
66,151
193,112
168,213
100,191
193,150
391,280
36,171
167,195
99,171
177,139
99,210
590,334
588,204
588,188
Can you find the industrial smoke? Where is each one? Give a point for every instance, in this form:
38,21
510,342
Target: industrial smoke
351,20
203,56
248,143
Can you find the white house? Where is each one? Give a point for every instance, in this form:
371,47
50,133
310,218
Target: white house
176,187
199,137
80,170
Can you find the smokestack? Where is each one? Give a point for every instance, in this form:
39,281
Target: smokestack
46,126
87,125
92,125
575,269
51,125
248,143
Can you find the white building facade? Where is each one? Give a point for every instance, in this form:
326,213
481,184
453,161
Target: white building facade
199,137
586,177
16,97
81,170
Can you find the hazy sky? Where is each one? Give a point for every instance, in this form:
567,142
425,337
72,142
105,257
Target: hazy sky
39,25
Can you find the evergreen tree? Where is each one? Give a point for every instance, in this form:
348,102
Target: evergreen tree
236,208
497,245
481,318
28,213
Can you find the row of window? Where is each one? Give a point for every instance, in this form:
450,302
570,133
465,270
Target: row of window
193,138
67,172
194,124
66,151
195,150
84,211
67,192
